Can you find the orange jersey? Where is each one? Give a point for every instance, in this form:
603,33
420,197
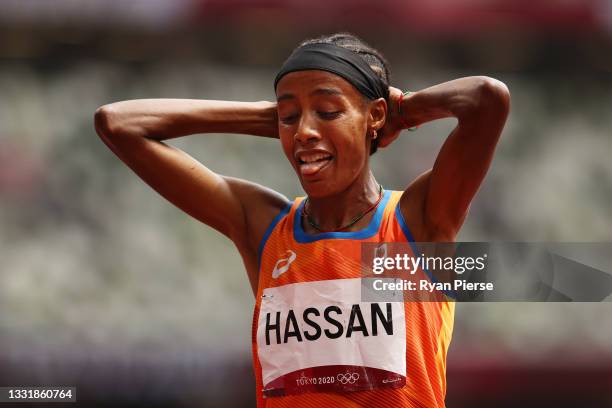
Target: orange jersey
316,344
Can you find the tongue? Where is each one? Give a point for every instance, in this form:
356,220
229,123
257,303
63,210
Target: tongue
311,168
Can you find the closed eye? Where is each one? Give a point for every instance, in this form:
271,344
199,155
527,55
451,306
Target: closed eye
329,115
289,119
323,115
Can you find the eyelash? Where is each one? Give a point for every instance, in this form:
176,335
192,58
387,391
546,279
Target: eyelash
323,115
329,115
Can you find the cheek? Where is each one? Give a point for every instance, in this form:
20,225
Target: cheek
287,146
356,161
355,150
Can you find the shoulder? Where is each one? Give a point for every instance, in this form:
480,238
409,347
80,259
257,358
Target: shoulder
413,209
260,206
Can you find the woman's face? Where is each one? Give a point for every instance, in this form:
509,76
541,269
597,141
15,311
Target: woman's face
323,121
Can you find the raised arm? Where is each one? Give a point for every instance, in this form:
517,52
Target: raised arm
241,210
481,106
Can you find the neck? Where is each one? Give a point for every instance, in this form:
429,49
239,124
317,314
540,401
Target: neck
337,210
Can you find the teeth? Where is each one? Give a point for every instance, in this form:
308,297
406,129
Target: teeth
313,157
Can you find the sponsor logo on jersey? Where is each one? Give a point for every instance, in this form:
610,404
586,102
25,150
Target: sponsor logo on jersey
282,265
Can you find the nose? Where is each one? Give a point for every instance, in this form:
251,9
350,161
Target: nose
307,130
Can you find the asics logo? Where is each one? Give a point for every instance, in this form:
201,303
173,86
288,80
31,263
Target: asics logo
348,378
282,265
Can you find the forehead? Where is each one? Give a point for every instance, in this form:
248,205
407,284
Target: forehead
314,82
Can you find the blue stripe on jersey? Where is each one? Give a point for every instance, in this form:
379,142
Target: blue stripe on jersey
302,237
269,230
410,238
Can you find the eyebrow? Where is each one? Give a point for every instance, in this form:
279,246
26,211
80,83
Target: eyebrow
318,91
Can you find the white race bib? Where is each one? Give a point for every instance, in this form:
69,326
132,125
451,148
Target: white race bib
319,336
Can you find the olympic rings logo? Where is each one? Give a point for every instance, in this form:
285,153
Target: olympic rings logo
348,378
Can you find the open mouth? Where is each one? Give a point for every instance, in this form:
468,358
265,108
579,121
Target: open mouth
311,164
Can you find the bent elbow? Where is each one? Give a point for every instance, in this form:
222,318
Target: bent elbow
494,95
105,121
111,122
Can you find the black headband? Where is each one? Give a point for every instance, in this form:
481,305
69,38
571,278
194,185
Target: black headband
340,61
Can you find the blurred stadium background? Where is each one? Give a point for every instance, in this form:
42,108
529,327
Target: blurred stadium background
106,286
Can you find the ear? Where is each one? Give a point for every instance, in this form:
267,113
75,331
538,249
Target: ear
377,114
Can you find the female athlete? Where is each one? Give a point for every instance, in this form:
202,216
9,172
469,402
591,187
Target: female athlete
315,343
